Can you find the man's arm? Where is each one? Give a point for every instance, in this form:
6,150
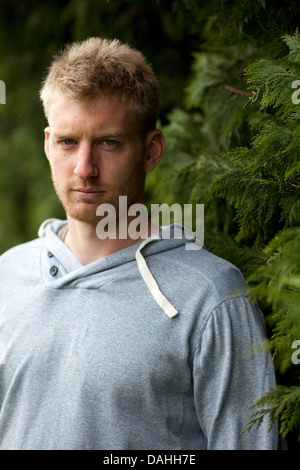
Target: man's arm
229,377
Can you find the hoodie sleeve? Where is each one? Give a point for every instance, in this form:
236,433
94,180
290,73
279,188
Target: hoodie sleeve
231,373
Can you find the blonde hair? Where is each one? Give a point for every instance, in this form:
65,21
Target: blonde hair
101,67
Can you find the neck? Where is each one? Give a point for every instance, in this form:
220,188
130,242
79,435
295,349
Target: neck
84,243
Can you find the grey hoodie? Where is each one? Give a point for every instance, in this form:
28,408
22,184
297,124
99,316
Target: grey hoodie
148,348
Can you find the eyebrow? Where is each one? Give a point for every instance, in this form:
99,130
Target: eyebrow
59,136
105,135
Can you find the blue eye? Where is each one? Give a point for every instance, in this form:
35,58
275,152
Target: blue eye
110,142
68,142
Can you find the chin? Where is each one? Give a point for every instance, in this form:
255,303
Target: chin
83,212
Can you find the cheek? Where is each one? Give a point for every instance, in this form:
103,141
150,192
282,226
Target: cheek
131,171
60,164
121,168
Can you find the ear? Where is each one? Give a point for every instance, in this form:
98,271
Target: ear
155,142
46,141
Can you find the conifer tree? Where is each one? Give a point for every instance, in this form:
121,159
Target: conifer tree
264,188
232,145
235,148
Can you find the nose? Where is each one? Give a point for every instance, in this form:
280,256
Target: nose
85,163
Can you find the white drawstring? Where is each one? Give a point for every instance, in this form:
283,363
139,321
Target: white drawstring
162,301
149,280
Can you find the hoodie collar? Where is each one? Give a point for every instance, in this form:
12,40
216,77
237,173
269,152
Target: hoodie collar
61,269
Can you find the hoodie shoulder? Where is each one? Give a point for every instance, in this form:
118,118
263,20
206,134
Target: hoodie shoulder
216,272
199,272
24,253
20,269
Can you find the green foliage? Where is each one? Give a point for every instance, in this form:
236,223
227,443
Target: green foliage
31,33
237,151
278,280
233,136
276,406
277,284
263,186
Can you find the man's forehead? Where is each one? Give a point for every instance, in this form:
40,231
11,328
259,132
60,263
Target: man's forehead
64,110
60,100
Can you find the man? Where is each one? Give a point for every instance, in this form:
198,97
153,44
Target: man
120,342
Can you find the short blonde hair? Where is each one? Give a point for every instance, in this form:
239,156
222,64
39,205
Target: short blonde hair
100,67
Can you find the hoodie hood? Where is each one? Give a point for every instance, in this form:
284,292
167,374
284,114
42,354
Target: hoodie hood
62,270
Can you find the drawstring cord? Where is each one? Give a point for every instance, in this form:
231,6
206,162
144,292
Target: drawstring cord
162,301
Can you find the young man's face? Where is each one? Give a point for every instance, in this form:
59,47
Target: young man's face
97,154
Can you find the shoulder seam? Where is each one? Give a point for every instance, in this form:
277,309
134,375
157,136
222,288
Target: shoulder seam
237,295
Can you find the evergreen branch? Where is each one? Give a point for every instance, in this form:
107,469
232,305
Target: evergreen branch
237,91
291,184
287,74
264,258
282,404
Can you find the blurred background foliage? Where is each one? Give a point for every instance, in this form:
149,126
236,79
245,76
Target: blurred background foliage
226,69
31,33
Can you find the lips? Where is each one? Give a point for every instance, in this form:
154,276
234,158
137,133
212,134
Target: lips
87,193
88,190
